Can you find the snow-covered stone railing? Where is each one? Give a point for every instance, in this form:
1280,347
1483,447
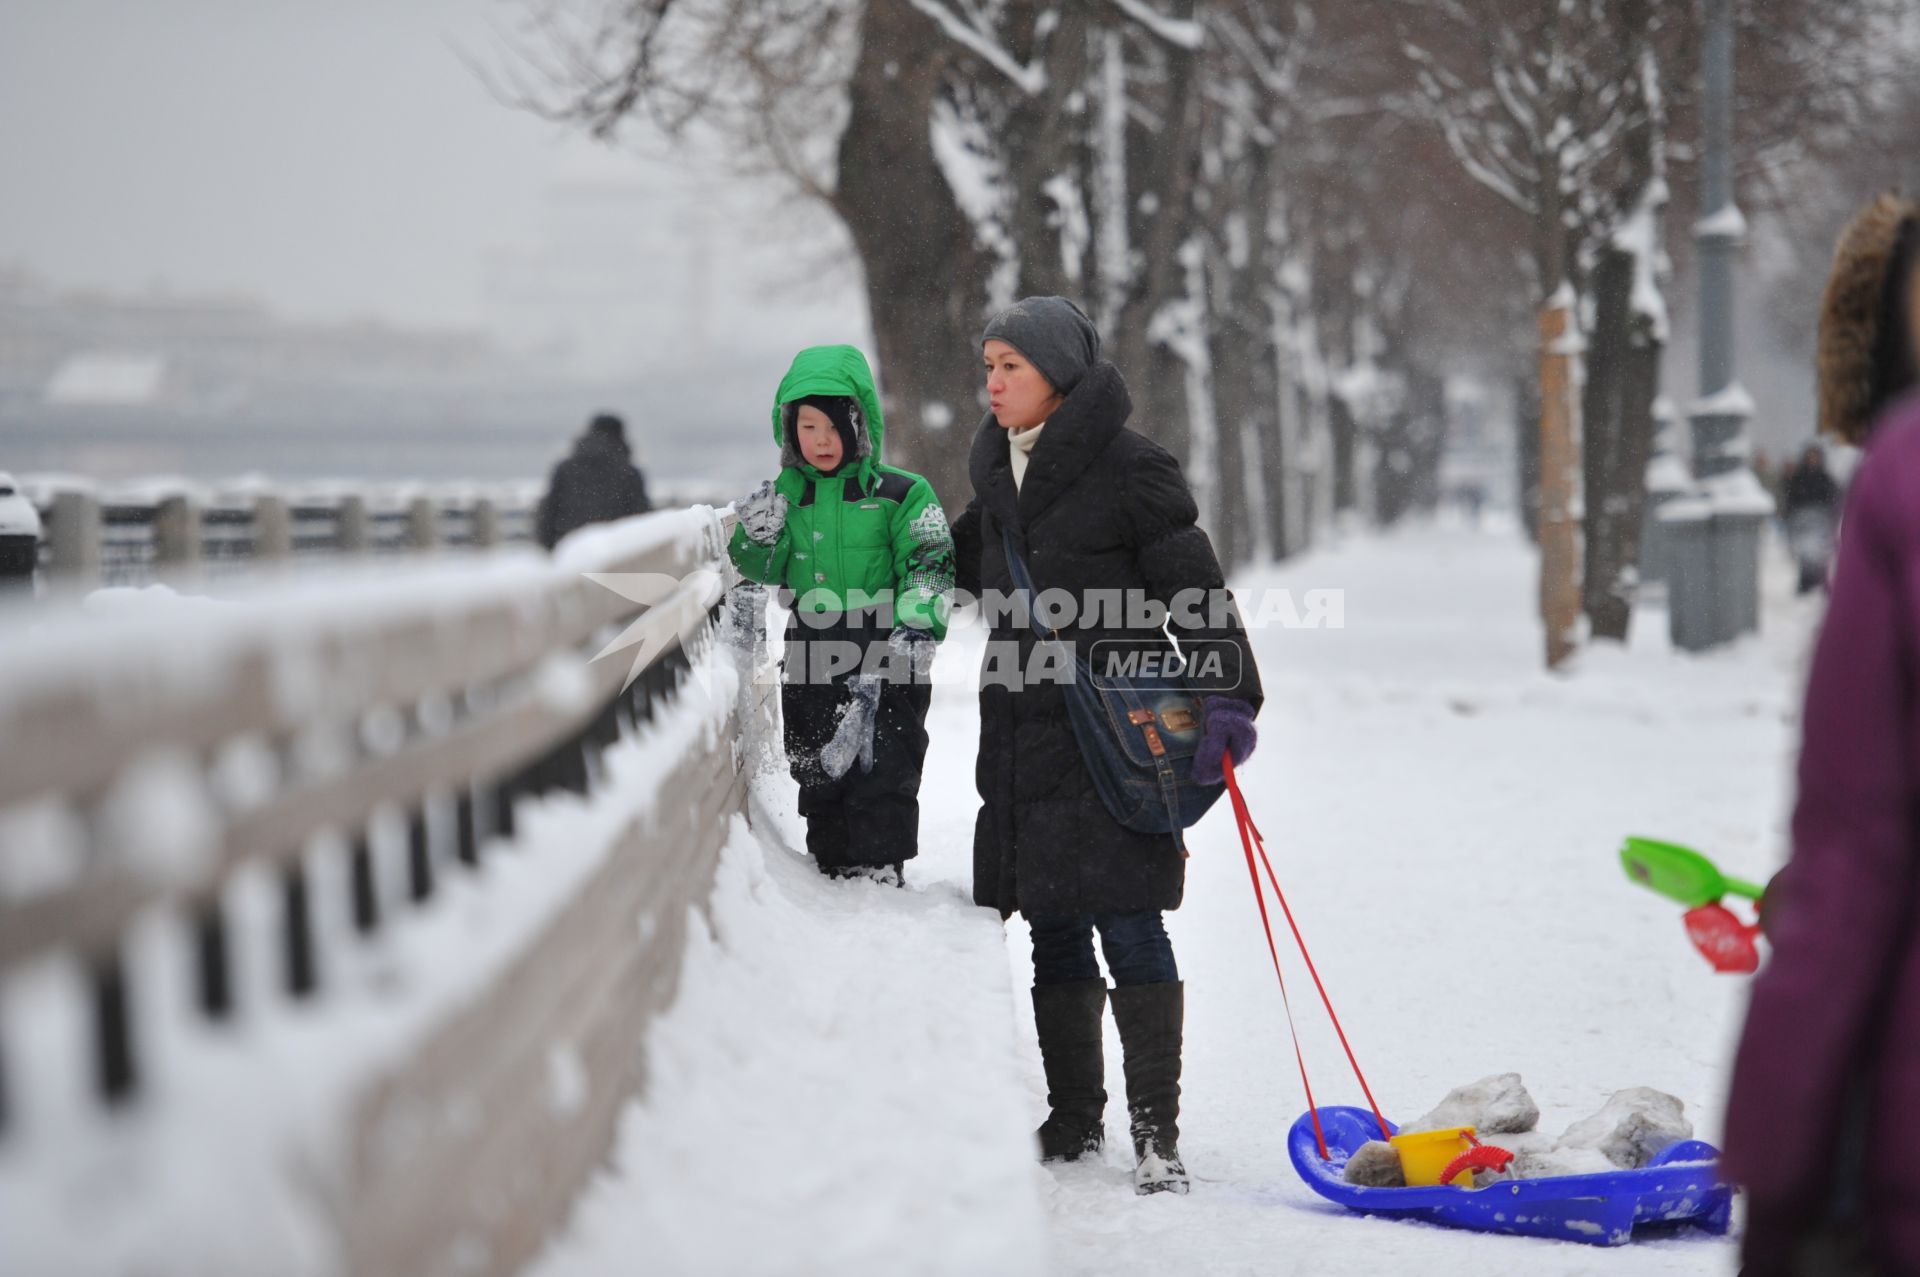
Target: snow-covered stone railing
131,534
358,745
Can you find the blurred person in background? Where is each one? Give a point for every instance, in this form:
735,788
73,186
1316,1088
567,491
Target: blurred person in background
596,483
1810,503
1824,1112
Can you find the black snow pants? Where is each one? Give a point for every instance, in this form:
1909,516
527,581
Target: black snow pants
864,817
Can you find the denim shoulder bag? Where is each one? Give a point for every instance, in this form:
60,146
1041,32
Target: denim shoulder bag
1137,732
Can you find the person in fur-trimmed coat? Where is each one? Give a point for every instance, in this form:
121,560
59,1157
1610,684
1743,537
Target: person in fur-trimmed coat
1824,1112
1095,508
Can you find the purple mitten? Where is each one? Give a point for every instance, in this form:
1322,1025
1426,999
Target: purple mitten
1225,724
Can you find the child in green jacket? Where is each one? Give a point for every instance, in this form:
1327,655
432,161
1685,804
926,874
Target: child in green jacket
865,550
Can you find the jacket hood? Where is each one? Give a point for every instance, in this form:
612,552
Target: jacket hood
830,370
1852,378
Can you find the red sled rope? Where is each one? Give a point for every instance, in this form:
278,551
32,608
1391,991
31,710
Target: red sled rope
1251,841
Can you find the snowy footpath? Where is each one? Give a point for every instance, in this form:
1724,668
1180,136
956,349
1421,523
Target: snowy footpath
849,1080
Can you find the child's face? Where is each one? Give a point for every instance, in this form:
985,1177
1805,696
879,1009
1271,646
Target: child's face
1019,396
819,441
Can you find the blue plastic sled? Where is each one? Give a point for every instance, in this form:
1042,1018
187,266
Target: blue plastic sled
1680,1186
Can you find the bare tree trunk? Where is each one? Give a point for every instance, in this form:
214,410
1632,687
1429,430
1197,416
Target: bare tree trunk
1048,160
1246,369
1245,362
1346,446
1240,355
1232,526
1273,399
1164,166
924,272
1526,453
1622,379
1623,372
1306,447
1260,427
1559,335
1559,475
1427,396
1310,503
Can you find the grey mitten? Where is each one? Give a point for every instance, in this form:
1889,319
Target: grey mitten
763,514
913,649
853,738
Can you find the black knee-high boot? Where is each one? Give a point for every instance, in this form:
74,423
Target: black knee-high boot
1067,1018
1149,1016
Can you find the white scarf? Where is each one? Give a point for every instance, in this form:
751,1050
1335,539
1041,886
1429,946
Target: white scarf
1020,450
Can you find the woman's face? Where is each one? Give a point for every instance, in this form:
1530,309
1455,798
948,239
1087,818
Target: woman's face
1018,395
819,441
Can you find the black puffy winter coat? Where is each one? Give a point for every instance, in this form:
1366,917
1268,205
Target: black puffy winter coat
596,483
1101,508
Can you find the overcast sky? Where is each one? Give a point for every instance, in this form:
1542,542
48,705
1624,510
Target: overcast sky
337,158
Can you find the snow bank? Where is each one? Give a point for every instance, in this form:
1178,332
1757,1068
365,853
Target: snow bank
835,1092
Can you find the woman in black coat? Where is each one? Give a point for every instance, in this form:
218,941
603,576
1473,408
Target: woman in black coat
1093,506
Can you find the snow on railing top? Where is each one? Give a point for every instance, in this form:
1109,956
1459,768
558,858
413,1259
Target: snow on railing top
147,754
169,527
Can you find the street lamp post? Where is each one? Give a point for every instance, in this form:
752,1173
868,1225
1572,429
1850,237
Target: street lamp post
1714,532
1669,477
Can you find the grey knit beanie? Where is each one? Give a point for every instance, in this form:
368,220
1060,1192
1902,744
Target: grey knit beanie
1054,334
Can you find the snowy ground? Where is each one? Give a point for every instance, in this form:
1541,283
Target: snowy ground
847,1083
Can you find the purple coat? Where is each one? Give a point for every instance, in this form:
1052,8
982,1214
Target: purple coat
1835,1015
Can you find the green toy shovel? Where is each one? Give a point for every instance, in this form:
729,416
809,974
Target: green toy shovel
1688,878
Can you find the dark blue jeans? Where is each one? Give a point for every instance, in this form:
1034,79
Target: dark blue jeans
1136,946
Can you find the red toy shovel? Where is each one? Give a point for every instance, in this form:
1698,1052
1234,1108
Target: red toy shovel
1724,940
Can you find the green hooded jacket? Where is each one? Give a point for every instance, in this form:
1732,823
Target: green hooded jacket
869,533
